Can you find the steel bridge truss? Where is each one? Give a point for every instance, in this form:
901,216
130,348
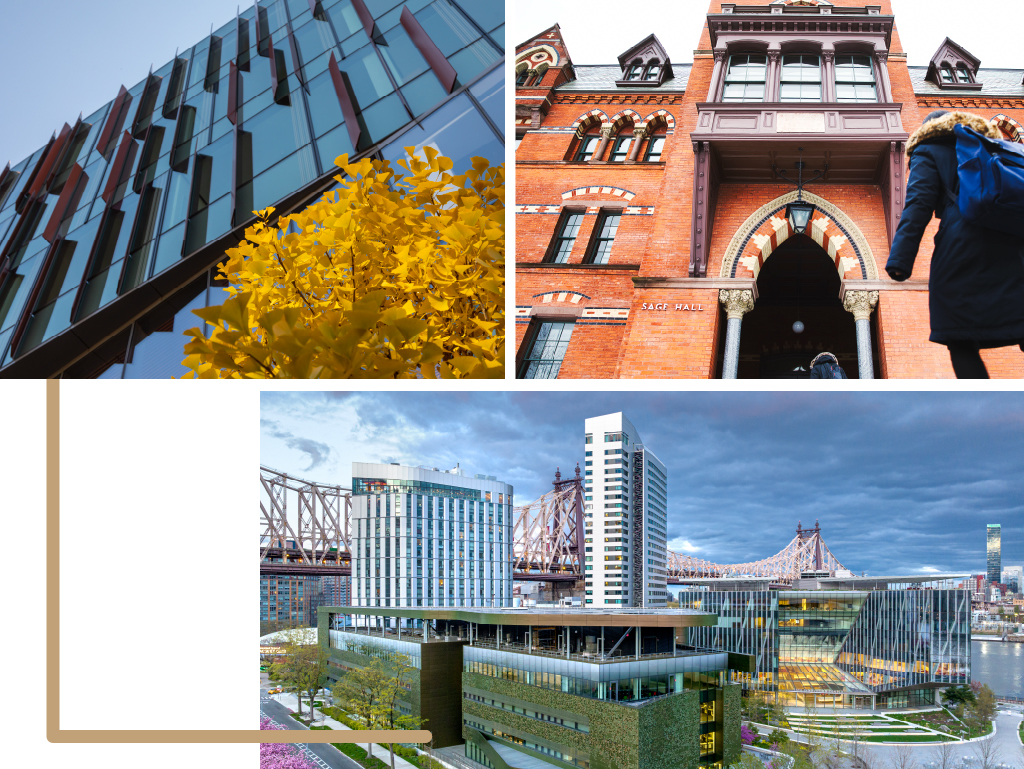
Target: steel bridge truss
322,513
807,551
547,532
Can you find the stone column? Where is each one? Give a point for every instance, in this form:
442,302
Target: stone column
771,85
828,76
882,69
717,76
606,134
861,303
638,137
737,303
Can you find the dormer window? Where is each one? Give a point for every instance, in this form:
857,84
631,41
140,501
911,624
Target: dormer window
801,78
745,78
947,75
652,72
645,65
634,72
962,75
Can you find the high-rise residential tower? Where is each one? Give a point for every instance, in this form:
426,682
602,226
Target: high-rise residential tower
626,496
429,537
1013,578
995,552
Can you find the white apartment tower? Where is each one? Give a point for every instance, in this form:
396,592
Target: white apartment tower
428,537
626,497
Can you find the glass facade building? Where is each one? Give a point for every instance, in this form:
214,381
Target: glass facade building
423,537
994,552
110,233
626,501
843,648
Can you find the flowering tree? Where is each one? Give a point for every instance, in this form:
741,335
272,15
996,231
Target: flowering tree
281,755
392,275
746,735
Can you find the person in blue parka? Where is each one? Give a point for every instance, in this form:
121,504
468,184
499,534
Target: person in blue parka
976,280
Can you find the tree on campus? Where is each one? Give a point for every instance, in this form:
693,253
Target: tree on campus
372,693
303,667
944,756
987,752
902,757
985,706
392,275
956,697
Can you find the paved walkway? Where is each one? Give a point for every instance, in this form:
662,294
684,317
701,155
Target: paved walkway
377,751
1007,745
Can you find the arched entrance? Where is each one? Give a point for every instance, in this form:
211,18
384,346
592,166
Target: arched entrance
811,277
799,282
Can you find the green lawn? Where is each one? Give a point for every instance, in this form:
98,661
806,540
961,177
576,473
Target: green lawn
910,738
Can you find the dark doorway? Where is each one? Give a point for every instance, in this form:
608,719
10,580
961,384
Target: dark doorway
797,282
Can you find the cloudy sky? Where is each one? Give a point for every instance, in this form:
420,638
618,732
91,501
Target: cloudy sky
901,482
605,31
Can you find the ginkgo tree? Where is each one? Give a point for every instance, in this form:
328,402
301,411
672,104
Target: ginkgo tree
392,274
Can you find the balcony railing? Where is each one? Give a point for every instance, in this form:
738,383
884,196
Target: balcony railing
761,120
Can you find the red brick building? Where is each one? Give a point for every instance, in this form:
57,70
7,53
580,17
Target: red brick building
655,232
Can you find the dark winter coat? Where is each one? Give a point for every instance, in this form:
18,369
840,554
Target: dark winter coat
825,366
976,282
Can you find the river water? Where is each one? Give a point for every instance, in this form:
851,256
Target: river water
1000,665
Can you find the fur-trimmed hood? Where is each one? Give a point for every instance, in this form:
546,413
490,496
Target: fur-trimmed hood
943,126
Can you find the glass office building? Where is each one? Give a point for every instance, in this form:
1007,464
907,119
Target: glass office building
848,642
427,537
994,554
110,233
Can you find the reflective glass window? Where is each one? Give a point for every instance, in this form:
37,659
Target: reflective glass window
369,80
423,93
544,359
456,130
313,39
158,347
801,78
605,231
855,78
402,57
655,148
566,237
745,77
276,133
490,92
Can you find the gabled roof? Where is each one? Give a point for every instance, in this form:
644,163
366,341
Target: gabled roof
550,35
952,53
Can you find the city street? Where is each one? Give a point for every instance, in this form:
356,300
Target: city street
323,755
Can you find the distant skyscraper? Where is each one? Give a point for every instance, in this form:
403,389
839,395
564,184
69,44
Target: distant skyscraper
626,517
1013,578
995,557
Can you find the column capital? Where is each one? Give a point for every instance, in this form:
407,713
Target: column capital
719,55
828,56
640,132
774,56
737,301
860,303
882,56
606,132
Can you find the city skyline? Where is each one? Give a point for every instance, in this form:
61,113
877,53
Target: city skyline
899,485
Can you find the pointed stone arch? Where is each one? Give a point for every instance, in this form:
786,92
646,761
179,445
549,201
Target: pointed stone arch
767,228
588,119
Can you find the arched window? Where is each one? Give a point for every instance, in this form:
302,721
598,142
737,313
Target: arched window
962,75
654,149
653,70
587,146
523,77
947,74
801,78
745,77
855,78
634,71
620,150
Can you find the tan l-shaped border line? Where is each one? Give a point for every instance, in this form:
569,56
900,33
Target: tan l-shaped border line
53,731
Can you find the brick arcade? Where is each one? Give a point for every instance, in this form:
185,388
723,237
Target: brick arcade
654,236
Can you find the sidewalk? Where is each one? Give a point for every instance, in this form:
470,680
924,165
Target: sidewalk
377,751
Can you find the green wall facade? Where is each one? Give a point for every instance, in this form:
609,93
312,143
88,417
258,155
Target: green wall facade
663,734
732,744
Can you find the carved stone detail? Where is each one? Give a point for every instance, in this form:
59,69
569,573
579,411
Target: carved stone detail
828,56
860,303
719,56
774,56
738,301
606,132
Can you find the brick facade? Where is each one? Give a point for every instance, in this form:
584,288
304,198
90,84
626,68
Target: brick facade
647,313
